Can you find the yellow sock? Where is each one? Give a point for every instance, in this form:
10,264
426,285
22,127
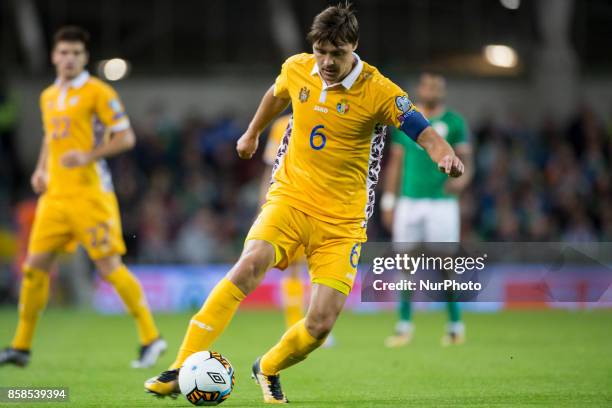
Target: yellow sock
293,300
293,347
210,321
32,300
135,301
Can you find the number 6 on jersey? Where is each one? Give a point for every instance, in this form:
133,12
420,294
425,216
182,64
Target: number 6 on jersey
313,134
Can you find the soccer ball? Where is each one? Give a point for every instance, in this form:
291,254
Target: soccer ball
206,378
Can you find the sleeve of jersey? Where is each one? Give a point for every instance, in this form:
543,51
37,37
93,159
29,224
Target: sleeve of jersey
399,111
110,110
281,85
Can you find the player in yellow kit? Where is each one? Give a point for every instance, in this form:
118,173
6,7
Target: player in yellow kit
77,203
322,193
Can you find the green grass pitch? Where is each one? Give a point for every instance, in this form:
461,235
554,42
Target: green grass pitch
511,359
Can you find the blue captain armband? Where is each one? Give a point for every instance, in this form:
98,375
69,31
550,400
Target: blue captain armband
413,123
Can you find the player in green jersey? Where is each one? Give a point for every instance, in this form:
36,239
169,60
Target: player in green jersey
426,207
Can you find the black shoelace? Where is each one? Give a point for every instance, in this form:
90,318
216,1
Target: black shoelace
168,376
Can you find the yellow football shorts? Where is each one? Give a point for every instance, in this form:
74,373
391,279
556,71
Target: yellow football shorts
92,220
332,251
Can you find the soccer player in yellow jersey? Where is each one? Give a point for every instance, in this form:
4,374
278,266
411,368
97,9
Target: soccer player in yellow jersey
77,203
322,195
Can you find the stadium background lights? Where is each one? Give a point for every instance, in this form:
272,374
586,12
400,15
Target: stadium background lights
113,69
501,56
511,4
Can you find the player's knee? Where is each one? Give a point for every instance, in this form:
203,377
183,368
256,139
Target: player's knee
251,267
319,325
41,262
106,266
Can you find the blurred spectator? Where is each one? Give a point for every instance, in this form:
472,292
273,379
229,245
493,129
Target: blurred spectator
542,186
196,242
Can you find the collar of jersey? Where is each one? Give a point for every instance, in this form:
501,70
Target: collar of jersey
77,82
348,81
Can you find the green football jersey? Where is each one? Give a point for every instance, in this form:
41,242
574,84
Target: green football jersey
420,177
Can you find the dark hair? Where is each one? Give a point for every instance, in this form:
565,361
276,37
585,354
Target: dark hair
336,24
71,34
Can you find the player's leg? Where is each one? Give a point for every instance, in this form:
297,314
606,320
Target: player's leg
218,310
272,240
49,234
299,341
443,224
216,313
33,297
332,262
129,289
408,227
98,227
293,293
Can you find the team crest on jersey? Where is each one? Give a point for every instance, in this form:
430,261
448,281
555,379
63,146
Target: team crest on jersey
304,94
403,104
342,107
73,101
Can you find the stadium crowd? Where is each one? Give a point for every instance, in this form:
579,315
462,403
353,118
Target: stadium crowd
186,197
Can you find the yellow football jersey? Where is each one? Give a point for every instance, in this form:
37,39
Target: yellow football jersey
328,164
74,117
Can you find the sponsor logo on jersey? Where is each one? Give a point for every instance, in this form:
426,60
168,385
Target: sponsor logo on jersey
403,103
321,109
304,94
342,107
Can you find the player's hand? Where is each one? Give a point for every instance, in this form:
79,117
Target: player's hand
247,145
451,165
76,158
39,181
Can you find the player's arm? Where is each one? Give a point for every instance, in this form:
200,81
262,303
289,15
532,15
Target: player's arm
269,108
118,142
40,176
111,113
392,178
397,109
440,152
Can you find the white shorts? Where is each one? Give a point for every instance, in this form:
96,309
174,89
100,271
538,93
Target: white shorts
426,220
